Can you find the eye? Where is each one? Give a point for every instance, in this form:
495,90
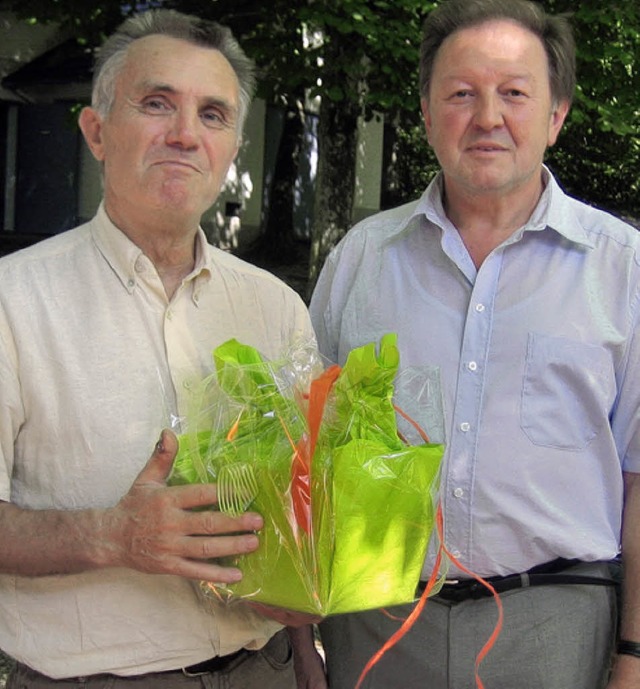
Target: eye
155,106
212,117
215,118
514,93
461,95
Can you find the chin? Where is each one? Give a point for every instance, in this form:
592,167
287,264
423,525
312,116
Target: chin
485,181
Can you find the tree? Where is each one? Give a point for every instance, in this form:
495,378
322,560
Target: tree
367,60
598,154
86,20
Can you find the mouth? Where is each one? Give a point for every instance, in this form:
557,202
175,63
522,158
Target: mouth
177,163
486,148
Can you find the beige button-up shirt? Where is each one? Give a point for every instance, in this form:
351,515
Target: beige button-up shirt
94,362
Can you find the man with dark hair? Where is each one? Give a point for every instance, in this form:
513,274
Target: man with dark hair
529,302
103,332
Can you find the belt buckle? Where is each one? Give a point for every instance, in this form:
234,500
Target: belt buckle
208,666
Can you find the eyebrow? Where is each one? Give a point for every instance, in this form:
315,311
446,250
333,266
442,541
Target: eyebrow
527,76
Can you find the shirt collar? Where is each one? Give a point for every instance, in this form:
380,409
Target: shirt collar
554,210
561,215
128,261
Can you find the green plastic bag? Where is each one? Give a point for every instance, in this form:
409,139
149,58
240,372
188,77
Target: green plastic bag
348,504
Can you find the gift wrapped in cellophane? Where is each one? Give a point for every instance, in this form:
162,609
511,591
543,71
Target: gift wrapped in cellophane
347,497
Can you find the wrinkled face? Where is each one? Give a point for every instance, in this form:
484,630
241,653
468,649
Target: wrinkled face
489,114
172,132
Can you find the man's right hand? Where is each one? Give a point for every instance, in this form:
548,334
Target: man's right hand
154,528
158,529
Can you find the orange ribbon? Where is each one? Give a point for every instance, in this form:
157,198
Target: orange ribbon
306,446
419,607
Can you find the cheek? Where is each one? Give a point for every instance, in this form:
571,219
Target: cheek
123,164
446,129
220,157
119,149
450,121
526,123
531,134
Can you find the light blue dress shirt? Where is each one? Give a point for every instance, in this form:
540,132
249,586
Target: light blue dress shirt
539,359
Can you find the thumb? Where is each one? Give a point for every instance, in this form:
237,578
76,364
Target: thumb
159,466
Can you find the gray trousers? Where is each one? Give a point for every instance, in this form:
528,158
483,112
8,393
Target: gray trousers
269,668
553,637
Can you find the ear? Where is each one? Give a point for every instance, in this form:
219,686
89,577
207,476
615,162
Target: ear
558,116
91,125
426,116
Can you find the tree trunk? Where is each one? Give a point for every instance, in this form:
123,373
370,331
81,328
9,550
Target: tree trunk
278,240
335,181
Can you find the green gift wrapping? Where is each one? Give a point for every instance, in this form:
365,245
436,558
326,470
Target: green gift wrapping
348,504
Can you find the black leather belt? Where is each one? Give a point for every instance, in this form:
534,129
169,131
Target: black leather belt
217,664
549,573
225,663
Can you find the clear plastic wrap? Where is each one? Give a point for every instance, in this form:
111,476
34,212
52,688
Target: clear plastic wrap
347,498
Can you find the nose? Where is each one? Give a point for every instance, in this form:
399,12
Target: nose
183,130
488,113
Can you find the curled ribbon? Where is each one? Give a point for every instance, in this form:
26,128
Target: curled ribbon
419,607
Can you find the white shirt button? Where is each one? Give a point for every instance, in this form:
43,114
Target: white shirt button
456,553
473,366
465,426
131,282
479,308
458,492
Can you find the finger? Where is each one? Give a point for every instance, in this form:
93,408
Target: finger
213,548
195,495
209,572
212,522
159,465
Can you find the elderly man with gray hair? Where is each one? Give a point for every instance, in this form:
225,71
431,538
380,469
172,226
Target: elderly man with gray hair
103,331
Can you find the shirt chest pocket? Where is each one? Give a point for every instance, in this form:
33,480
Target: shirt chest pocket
567,392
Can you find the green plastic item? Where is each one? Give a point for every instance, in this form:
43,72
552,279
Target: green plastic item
348,507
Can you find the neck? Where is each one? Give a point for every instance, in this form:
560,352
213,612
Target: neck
173,258
485,221
169,244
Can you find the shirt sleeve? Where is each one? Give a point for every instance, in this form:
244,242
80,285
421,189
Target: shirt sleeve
626,414
11,408
320,310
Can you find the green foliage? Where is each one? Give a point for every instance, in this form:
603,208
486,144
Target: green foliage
597,157
88,21
409,162
375,49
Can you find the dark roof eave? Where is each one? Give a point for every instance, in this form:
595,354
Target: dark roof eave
66,63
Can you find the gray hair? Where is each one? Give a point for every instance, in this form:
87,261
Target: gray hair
112,55
554,31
